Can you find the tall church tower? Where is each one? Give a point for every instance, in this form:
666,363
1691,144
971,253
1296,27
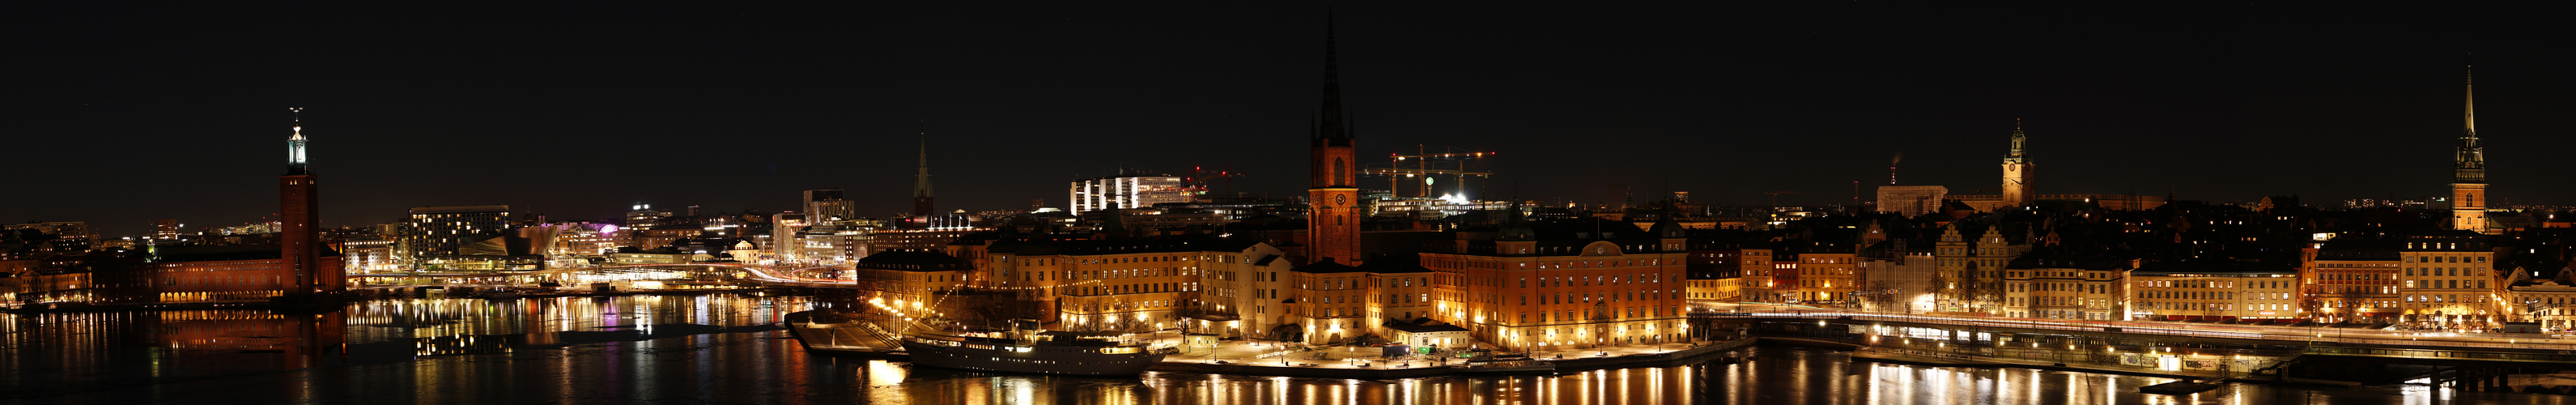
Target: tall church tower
300,206
2469,172
2017,171
1333,216
921,184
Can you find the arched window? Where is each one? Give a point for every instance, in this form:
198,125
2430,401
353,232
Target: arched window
1340,170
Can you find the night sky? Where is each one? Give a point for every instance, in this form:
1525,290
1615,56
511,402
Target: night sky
131,113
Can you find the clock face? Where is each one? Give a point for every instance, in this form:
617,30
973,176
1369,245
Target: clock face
1341,198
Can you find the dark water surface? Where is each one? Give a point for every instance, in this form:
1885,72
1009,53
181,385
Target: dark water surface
726,348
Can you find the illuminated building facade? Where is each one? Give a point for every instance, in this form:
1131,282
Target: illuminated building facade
828,204
166,229
2175,292
836,242
2071,287
1911,201
909,281
440,231
1124,192
1827,274
785,229
1564,284
1756,265
2353,278
2448,279
1969,262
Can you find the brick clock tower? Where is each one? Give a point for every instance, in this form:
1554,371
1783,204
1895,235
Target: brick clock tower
2469,172
2017,171
300,206
1333,217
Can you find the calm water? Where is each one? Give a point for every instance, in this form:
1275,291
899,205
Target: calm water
723,348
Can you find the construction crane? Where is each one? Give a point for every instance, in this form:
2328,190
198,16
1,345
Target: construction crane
1396,170
1199,177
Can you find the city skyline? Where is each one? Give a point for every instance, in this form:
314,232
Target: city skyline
511,123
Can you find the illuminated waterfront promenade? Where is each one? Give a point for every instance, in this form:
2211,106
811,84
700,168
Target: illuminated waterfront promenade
718,348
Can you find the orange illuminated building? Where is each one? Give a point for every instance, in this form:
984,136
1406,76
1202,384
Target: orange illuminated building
1564,285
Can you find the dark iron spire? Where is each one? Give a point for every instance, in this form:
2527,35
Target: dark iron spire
1332,126
2471,162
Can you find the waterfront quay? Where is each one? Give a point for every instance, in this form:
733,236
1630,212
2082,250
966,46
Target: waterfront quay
728,347
2201,353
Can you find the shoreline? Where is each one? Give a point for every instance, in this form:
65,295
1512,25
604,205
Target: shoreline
345,299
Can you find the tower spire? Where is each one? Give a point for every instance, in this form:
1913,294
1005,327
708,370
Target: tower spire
2469,168
295,163
2018,140
1332,126
921,196
2471,116
2472,161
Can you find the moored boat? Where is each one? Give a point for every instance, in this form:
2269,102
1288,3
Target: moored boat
1027,349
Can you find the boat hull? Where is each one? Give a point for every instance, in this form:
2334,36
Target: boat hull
1041,361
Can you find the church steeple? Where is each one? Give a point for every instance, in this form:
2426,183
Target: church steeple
1333,125
2471,163
921,196
2469,170
1333,216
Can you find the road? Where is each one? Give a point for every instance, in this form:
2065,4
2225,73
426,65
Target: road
2303,335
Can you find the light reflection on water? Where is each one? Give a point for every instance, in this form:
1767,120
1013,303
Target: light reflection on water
694,349
1770,376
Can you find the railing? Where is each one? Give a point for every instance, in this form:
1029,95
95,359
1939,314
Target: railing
2443,354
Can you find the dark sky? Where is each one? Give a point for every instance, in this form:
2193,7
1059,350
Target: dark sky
132,113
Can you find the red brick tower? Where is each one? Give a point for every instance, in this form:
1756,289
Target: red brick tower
1333,219
300,205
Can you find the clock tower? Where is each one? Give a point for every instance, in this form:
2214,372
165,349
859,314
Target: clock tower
2017,171
1333,215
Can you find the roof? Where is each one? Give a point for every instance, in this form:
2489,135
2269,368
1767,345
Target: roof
908,260
1394,266
1326,266
2213,268
1410,327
